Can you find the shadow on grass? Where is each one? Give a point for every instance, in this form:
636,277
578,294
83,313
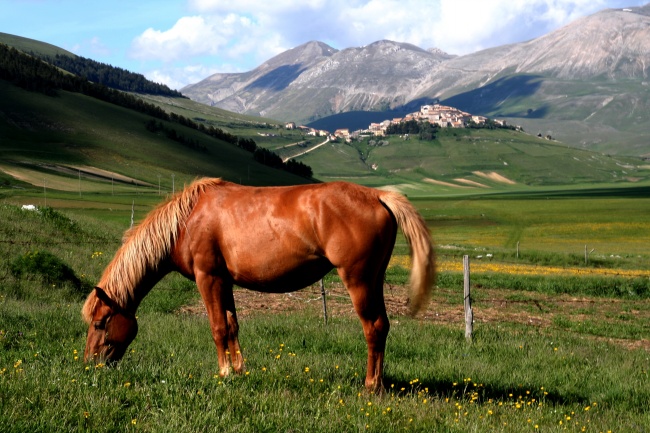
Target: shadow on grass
482,393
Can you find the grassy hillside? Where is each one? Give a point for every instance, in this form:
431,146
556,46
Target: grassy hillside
66,126
604,116
267,133
471,161
32,46
42,135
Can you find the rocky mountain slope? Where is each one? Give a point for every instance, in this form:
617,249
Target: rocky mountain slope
593,70
319,80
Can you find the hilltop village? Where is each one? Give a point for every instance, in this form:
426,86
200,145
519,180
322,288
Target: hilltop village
440,115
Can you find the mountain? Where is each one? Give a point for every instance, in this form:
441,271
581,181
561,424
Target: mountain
319,80
585,84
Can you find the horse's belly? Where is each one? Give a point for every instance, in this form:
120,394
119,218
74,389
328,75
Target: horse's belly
281,276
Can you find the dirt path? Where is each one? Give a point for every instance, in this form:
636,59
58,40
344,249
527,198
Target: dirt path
306,151
491,307
494,176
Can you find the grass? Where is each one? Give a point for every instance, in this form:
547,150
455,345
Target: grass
462,154
304,377
540,359
31,45
559,345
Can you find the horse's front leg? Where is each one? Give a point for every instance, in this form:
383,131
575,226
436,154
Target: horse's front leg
220,306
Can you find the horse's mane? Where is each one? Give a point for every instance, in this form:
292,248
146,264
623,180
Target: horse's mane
145,246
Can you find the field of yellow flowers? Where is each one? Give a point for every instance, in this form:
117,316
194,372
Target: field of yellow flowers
448,264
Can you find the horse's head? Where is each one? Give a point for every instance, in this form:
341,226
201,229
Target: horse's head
111,330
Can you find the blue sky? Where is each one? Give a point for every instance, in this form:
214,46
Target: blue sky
182,42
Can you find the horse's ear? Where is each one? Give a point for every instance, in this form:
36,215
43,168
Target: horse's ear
101,294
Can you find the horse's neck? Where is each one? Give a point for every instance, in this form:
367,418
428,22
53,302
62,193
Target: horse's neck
128,284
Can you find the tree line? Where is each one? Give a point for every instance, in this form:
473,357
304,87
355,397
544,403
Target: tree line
491,124
172,134
110,76
33,74
425,130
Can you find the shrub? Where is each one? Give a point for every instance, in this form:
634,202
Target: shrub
45,264
59,220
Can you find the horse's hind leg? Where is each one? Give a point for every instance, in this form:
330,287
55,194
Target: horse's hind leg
220,305
233,337
368,301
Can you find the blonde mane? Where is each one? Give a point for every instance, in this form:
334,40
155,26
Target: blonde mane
145,246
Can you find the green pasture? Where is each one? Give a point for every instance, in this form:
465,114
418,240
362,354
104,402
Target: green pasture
463,159
616,228
31,45
307,377
561,365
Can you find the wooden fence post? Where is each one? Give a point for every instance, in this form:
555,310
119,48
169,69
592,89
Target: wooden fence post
132,212
587,254
322,292
469,316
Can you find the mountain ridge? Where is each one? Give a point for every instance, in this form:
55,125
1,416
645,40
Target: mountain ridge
599,58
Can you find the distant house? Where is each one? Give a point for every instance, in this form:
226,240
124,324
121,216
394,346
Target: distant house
343,133
436,114
479,120
290,125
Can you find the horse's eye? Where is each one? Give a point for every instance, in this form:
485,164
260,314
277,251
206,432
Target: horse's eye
99,325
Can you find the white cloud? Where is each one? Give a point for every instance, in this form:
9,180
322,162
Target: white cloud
457,26
461,26
189,37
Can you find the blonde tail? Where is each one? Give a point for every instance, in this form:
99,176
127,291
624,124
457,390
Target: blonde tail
419,239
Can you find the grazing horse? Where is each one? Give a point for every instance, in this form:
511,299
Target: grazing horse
269,239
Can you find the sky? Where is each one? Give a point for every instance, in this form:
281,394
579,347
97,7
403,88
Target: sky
184,41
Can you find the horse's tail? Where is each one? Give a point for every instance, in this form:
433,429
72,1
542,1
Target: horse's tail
419,239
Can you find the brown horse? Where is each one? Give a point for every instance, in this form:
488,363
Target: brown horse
271,239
